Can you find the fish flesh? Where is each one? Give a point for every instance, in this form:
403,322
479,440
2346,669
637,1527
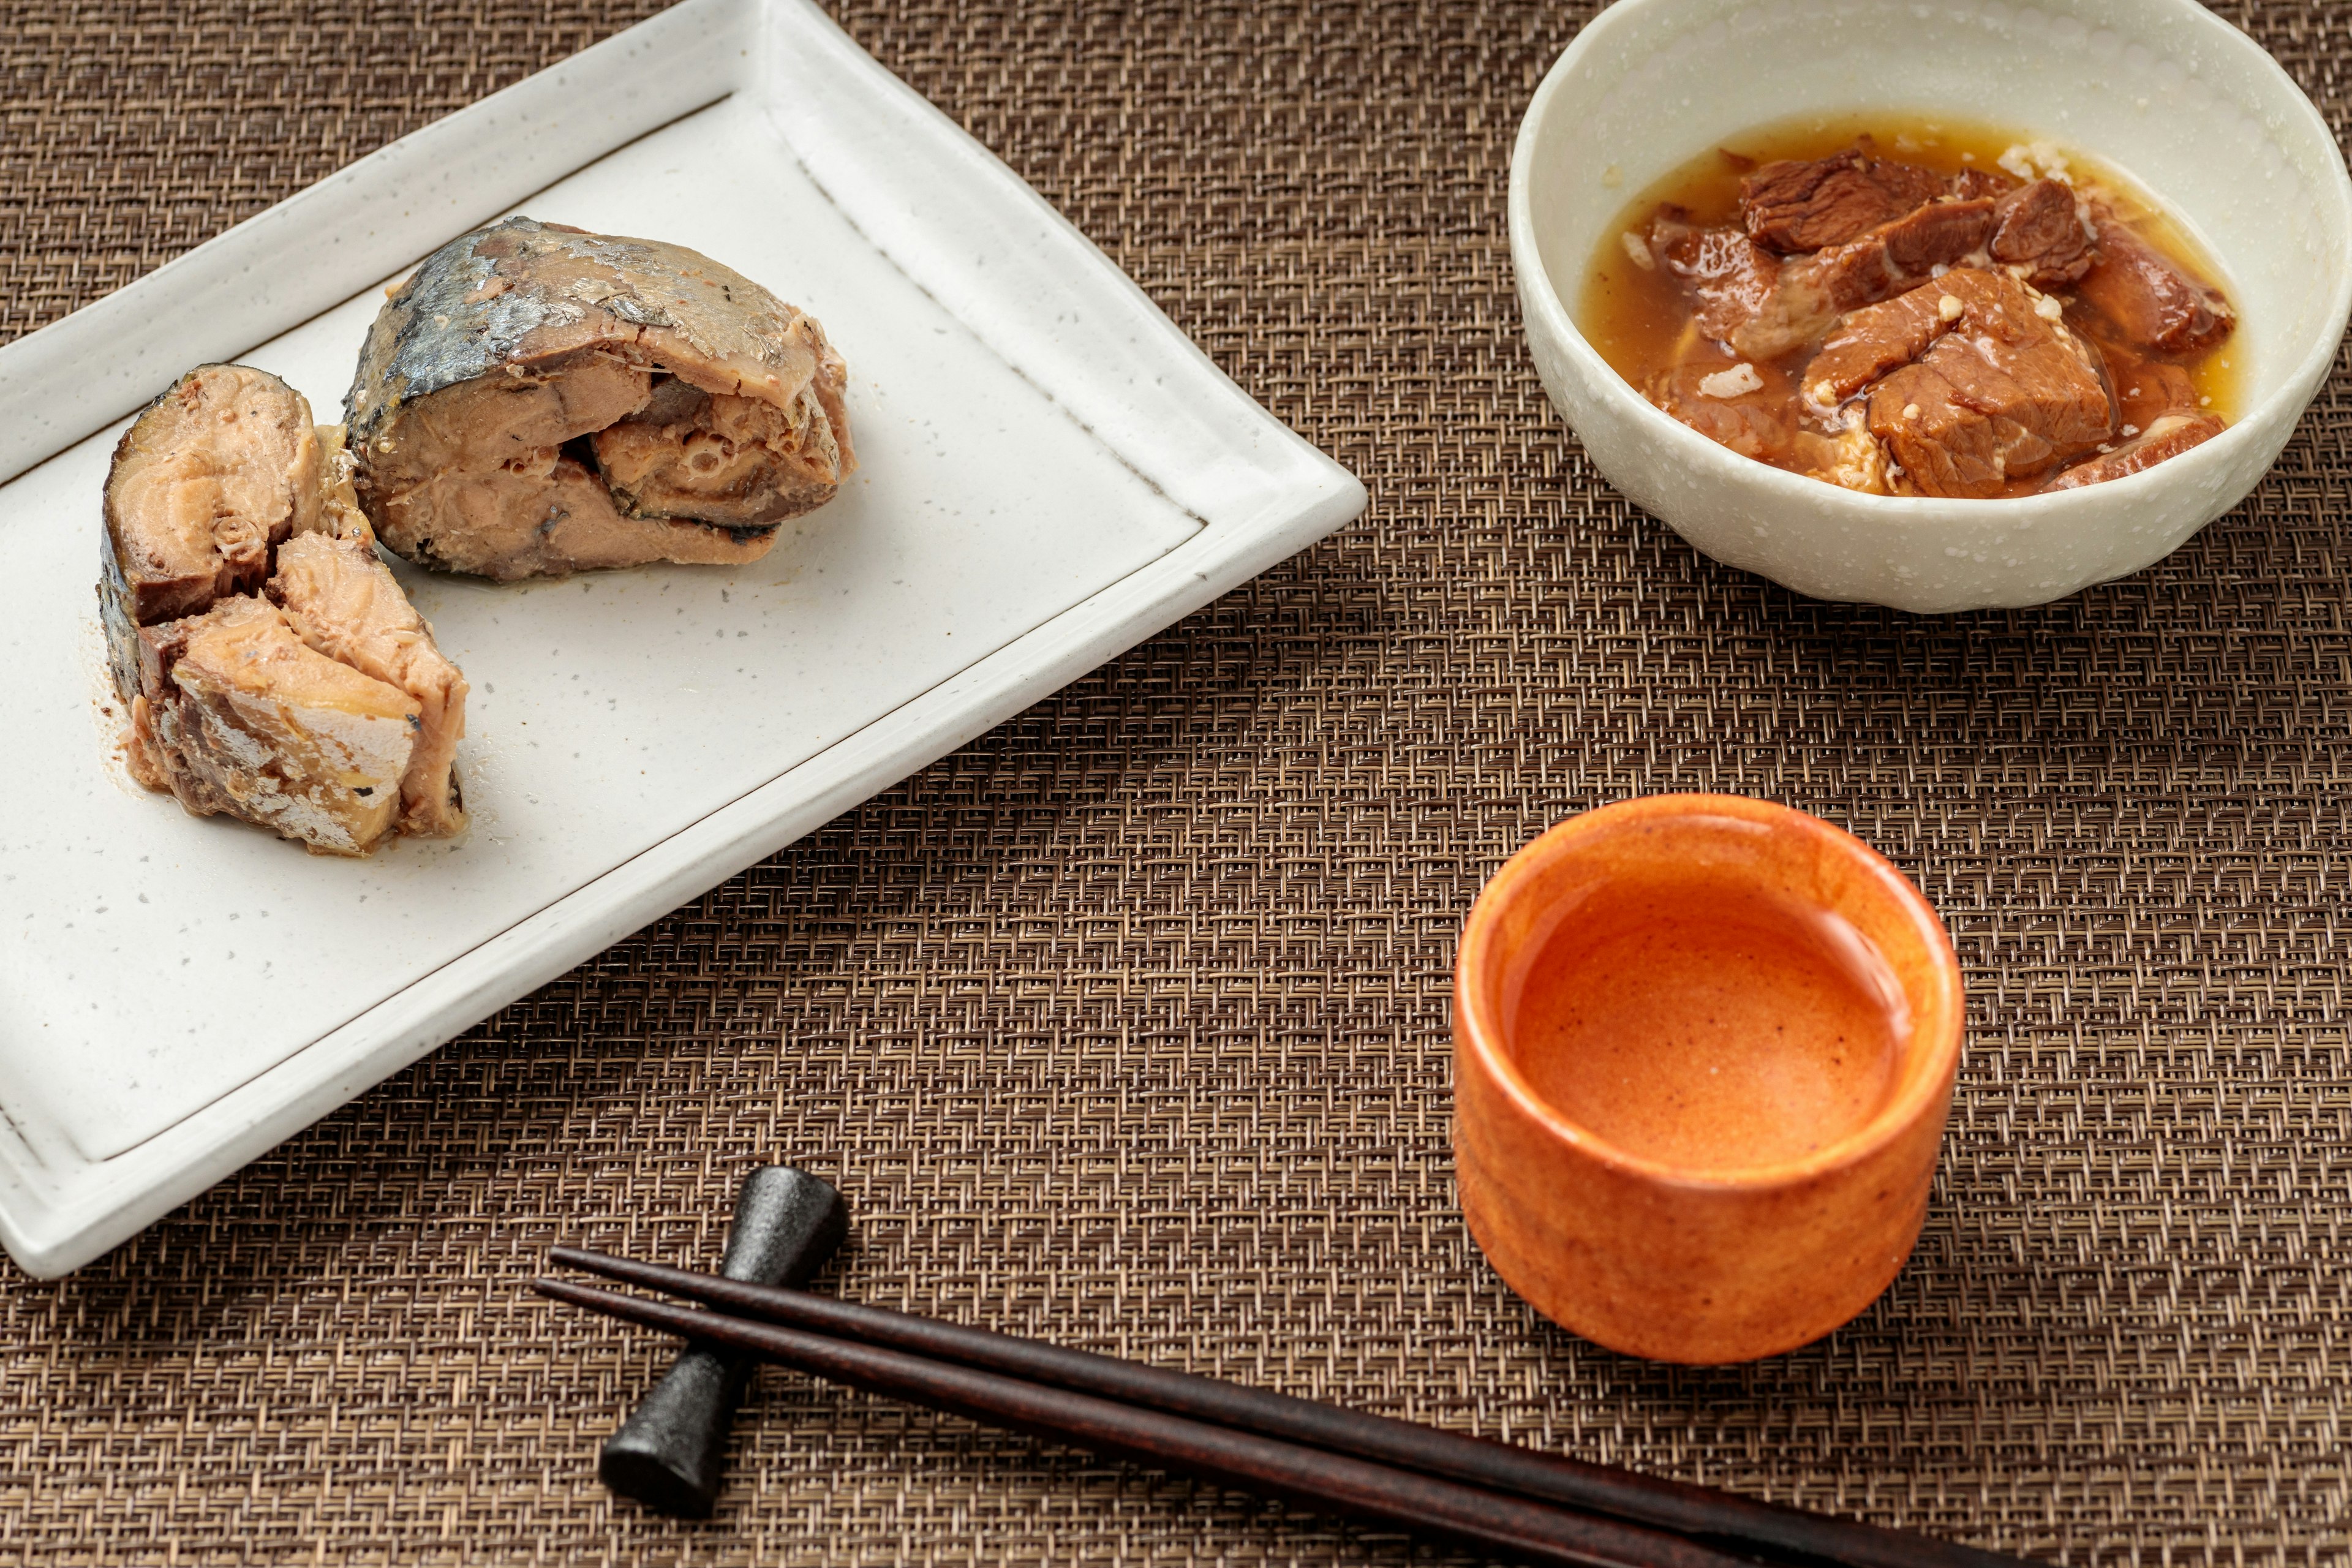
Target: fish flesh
297,689
238,715
218,473
537,400
273,668
343,602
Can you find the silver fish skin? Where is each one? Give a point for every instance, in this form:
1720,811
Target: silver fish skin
536,400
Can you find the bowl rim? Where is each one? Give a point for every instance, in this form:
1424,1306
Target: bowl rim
1477,1027
2279,411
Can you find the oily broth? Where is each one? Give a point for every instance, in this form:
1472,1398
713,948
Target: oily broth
1640,321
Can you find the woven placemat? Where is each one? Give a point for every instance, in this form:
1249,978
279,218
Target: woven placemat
1128,1023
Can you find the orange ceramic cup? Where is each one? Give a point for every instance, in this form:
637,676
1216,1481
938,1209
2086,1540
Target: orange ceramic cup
1703,1049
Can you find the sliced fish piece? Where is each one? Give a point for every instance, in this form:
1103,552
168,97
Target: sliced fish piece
690,453
238,715
343,602
537,400
323,710
214,476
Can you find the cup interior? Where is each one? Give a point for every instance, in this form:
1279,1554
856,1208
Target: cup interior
2159,91
1719,989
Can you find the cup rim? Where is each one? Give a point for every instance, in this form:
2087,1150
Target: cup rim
1478,1030
1539,297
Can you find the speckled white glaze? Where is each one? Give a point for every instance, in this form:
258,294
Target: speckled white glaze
2159,90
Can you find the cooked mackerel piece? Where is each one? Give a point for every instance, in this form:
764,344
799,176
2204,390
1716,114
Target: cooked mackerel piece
274,669
238,715
218,473
537,400
344,604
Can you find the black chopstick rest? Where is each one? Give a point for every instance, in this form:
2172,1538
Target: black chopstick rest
671,1454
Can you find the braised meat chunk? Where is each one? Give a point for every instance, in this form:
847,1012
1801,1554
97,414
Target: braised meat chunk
1729,277
1893,256
2171,435
2002,394
1763,307
2147,389
537,401
1869,343
1971,319
2041,229
1790,206
2163,416
1877,266
2152,301
1745,408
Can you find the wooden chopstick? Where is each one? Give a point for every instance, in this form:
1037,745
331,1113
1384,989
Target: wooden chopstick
1721,1520
1314,1477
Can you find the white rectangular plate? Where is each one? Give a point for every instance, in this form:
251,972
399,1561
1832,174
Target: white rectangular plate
1050,472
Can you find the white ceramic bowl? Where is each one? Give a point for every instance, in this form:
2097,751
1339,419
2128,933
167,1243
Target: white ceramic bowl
2160,89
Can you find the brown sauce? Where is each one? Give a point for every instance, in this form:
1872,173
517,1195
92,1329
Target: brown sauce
1707,1029
1647,320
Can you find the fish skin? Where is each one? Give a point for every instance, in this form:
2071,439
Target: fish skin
416,357
520,305
483,283
114,616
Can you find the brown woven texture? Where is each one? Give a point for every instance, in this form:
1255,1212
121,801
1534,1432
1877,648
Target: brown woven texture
1128,1023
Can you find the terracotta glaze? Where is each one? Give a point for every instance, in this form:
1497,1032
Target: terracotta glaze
1703,1050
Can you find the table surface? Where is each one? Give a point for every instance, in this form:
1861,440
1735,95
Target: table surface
1127,1025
